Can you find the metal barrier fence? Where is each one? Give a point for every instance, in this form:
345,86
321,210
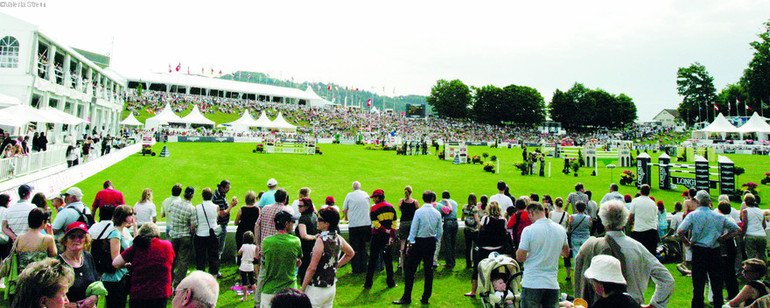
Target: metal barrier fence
23,165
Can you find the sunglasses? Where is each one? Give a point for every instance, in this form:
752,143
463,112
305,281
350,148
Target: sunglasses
78,236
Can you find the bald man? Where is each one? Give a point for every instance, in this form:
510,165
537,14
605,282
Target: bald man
197,290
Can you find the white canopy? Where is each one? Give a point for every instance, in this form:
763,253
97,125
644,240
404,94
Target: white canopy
166,116
130,120
315,99
6,100
280,123
195,117
756,124
719,126
263,121
18,115
66,117
243,123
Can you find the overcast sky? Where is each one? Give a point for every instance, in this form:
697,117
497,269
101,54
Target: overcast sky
631,47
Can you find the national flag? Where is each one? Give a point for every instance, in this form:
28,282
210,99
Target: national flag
747,107
730,106
233,74
179,66
249,76
336,89
328,87
220,72
368,102
169,68
716,107
188,70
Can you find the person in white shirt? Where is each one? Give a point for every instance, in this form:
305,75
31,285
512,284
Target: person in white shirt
247,252
206,241
15,219
644,216
145,209
504,201
356,210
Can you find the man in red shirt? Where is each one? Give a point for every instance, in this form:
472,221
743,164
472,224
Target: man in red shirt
107,196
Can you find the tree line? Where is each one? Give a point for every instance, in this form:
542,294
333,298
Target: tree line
578,107
751,93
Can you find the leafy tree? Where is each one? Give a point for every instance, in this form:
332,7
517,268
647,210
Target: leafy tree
728,99
583,107
626,110
525,105
488,104
697,87
756,78
450,98
564,106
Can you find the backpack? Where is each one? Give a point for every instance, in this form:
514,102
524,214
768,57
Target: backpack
100,250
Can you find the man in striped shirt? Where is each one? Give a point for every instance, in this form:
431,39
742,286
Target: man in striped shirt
15,220
383,217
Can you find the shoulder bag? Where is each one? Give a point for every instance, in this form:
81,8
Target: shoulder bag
8,262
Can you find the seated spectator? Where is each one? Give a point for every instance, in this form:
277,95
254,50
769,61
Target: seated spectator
753,270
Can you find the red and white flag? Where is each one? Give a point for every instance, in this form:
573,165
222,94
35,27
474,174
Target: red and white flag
716,107
179,66
368,102
169,68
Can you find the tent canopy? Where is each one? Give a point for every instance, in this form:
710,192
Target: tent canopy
280,123
243,123
18,115
720,125
263,121
755,124
166,116
195,117
130,120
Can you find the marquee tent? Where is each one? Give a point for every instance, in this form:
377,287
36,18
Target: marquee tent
243,123
263,121
18,115
195,117
6,100
756,124
720,126
281,124
130,120
315,99
165,117
63,116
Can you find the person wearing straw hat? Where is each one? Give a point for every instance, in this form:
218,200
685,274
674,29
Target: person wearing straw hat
606,277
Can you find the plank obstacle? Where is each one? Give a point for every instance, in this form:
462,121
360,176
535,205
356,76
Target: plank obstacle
701,170
290,146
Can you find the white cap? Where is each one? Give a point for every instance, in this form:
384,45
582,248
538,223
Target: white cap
74,191
605,268
272,182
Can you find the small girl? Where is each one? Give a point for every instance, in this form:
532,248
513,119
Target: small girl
247,253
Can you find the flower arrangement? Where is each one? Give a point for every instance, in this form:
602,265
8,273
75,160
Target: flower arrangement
476,159
523,166
627,177
260,148
750,187
489,167
766,180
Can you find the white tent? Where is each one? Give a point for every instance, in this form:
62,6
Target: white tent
130,120
263,121
756,124
195,117
18,115
243,123
65,117
720,126
280,123
6,100
315,99
165,117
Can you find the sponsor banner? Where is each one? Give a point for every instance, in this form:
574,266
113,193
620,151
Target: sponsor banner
204,139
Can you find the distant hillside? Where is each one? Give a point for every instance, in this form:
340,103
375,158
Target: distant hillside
333,92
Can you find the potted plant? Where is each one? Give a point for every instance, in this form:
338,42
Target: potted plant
766,180
476,159
575,167
627,177
523,166
489,167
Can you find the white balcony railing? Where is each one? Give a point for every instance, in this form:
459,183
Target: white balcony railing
23,165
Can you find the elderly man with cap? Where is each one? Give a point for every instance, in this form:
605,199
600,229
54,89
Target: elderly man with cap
607,280
268,197
383,217
356,209
281,254
707,231
15,219
74,211
199,289
182,221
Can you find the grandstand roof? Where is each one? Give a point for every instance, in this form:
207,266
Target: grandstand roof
195,117
218,84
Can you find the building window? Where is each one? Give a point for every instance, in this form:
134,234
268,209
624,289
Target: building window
9,52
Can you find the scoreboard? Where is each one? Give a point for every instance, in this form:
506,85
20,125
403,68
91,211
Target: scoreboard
415,111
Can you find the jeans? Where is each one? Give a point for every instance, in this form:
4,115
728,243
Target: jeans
222,236
116,294
706,261
183,247
206,252
358,238
449,241
648,238
536,298
421,251
470,240
380,244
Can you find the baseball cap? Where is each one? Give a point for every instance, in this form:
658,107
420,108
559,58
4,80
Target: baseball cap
283,217
378,193
702,195
329,199
272,182
74,191
605,268
78,225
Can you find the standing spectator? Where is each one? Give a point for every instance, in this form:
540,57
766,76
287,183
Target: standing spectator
107,196
76,243
407,206
612,195
223,218
638,263
548,203
176,191
264,228
662,219
145,209
205,241
15,219
182,223
644,217
561,217
33,245
729,254
120,239
73,154
471,220
247,251
246,219
151,259
383,217
425,233
607,280
577,195
321,276
707,231
74,211
503,200
579,228
539,285
753,229
448,209
304,192
492,238
43,142
356,210
307,231
282,254
518,221
199,289
268,197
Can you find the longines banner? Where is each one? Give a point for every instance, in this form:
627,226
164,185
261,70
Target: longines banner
204,139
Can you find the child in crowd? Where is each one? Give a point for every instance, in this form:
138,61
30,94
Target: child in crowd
506,296
247,253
